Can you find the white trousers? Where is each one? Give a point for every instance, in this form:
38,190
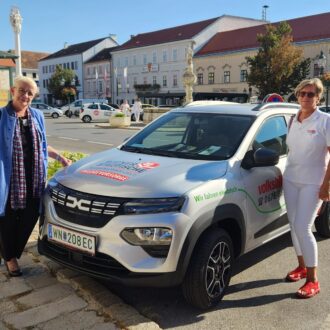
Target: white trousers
302,204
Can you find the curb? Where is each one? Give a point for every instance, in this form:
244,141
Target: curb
107,126
97,295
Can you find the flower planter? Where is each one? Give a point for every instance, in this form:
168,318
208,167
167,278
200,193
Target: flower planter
119,121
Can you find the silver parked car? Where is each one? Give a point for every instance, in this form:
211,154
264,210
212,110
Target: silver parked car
178,202
47,110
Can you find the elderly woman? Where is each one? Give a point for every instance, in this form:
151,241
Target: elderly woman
306,180
23,165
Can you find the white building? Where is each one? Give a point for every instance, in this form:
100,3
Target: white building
70,57
151,65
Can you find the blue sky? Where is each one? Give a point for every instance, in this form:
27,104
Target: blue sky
48,24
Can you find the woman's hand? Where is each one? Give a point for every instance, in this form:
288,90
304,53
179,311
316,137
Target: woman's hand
324,191
64,161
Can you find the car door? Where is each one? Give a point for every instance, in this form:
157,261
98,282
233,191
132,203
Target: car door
265,205
45,109
107,111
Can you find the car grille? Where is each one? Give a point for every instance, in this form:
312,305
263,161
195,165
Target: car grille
100,264
84,209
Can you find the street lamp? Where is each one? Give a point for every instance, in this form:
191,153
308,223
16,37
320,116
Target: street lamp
322,64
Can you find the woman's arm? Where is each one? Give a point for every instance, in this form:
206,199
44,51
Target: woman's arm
53,153
324,190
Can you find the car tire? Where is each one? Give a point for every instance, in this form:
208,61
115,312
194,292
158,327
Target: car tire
322,222
87,119
55,115
209,271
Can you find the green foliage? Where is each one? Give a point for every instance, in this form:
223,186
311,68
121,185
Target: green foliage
55,165
56,87
278,66
119,114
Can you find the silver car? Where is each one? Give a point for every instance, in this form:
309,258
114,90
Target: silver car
178,202
47,110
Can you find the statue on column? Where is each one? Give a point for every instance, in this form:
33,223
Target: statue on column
189,78
16,23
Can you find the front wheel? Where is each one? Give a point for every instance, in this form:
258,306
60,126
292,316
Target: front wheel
55,115
209,271
87,119
322,222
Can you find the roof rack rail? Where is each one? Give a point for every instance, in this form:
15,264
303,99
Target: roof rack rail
269,105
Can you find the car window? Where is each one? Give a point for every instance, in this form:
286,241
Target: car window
192,135
272,135
93,106
78,104
42,106
105,107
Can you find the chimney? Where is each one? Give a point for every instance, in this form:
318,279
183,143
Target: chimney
65,45
113,36
132,36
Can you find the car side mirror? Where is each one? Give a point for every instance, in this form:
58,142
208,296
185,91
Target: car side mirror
260,158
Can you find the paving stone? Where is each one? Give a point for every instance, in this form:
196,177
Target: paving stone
66,273
76,321
7,307
13,287
3,277
2,326
40,279
40,314
46,295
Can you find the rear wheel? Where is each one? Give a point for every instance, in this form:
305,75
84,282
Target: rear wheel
55,115
209,272
87,119
322,222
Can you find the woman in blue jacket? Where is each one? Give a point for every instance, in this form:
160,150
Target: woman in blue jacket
23,165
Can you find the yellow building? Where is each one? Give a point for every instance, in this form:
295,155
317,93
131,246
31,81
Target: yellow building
7,67
221,67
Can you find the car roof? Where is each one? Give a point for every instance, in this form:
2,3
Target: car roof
238,108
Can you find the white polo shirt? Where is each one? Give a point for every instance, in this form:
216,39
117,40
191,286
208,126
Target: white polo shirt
308,144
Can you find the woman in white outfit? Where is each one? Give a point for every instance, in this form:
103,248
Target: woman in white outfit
125,108
306,180
136,109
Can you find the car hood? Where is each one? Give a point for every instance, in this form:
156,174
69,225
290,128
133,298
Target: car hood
126,174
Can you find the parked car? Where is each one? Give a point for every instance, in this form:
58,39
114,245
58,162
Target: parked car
324,108
178,202
74,107
99,112
47,110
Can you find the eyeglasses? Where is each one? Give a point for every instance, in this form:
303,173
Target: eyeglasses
309,94
22,91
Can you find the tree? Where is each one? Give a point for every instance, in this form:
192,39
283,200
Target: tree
60,84
278,66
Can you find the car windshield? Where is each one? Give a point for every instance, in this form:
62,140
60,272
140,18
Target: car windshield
192,135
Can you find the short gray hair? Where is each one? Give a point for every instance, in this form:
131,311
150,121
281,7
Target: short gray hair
26,80
316,82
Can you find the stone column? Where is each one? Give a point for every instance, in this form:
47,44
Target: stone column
189,78
16,22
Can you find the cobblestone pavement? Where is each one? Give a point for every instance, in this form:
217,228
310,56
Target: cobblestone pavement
49,296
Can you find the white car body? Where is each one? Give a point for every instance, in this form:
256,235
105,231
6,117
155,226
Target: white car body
97,112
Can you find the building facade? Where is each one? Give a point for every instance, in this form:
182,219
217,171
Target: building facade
221,67
151,65
7,71
70,57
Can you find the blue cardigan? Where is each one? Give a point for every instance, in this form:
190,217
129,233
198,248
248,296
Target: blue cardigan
7,126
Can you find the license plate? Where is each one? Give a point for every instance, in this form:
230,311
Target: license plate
71,238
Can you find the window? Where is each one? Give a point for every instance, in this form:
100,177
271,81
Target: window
34,75
243,75
272,135
200,79
145,80
211,78
94,86
88,86
126,61
154,80
134,80
145,59
93,106
226,77
88,71
76,65
104,107
100,86
24,74
72,65
46,69
154,58
100,69
94,70
175,55
164,56
175,80
134,60
164,81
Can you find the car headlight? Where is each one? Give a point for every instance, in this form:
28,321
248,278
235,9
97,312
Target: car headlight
153,205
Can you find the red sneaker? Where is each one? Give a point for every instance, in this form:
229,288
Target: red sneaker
296,274
309,290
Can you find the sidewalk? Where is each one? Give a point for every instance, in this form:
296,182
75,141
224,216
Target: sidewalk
133,126
49,296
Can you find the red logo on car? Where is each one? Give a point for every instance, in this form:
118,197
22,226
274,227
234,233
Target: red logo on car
148,165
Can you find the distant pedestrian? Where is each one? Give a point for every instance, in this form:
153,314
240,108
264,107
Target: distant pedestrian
23,166
125,108
306,180
137,109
